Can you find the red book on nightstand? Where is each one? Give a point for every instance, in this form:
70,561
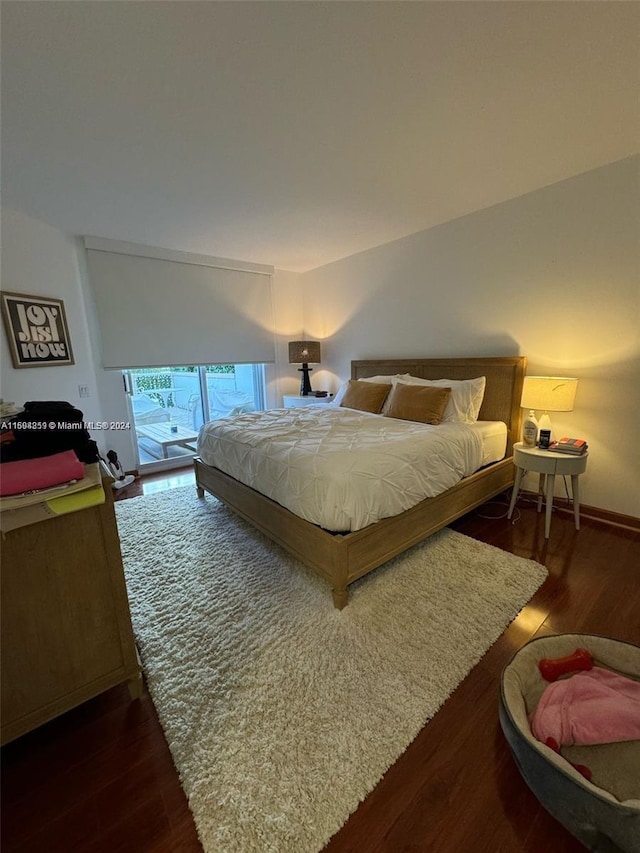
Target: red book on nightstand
28,475
576,446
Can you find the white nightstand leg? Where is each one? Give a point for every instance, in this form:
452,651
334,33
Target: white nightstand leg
551,480
541,487
575,489
516,489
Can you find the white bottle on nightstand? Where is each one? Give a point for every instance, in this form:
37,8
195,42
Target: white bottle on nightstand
530,430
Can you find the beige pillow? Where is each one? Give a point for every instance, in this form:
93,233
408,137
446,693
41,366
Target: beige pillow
422,403
365,396
466,397
382,380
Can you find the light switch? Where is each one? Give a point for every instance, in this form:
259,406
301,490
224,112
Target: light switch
83,390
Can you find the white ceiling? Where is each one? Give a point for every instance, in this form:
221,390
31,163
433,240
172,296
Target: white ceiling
296,133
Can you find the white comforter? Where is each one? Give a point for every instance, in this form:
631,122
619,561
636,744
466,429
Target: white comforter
339,468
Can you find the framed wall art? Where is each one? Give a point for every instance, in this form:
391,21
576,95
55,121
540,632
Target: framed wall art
37,330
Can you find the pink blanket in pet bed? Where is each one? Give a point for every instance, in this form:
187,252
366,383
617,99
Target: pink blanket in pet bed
591,707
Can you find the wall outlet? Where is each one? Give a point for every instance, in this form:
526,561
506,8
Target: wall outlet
83,390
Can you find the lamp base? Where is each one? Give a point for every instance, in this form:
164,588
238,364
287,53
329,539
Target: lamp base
305,382
545,423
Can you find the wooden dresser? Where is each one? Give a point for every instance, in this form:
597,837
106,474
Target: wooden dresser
66,627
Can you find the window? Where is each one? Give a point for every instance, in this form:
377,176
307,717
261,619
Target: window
170,404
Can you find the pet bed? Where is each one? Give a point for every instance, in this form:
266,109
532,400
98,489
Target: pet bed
603,812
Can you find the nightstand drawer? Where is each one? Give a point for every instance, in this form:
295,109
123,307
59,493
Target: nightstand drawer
542,462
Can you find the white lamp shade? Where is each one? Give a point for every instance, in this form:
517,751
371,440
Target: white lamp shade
549,393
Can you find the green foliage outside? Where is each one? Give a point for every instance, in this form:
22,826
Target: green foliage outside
159,378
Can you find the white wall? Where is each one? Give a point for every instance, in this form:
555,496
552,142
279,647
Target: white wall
283,378
39,260
553,275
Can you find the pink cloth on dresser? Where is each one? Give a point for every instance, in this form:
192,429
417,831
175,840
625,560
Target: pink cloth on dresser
591,707
28,475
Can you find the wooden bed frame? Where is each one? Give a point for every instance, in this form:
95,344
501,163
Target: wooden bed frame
342,558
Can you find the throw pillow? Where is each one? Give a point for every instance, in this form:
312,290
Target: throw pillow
422,403
466,397
365,396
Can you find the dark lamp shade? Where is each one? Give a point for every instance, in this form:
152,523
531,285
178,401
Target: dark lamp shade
304,352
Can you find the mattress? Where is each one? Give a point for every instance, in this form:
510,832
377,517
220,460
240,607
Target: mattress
342,469
494,440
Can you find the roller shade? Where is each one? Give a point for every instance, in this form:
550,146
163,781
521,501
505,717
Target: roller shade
158,308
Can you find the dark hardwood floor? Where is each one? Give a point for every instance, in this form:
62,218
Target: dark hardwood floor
101,778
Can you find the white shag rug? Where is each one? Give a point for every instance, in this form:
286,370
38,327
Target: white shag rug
281,712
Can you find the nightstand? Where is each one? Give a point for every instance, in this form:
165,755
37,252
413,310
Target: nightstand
547,464
292,401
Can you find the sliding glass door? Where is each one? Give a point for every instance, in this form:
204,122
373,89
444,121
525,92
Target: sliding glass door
170,404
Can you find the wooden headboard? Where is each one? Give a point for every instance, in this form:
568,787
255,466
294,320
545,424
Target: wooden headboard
505,375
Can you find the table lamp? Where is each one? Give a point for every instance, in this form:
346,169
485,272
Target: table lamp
304,352
550,394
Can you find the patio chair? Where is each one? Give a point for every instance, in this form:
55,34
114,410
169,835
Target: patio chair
147,411
222,404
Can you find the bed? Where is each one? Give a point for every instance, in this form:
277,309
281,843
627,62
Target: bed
343,557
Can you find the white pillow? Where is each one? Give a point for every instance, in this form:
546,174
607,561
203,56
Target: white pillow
465,401
381,380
